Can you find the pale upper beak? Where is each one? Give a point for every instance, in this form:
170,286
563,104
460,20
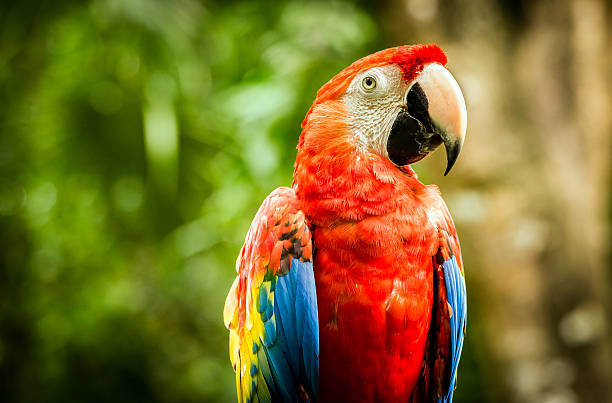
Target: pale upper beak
446,108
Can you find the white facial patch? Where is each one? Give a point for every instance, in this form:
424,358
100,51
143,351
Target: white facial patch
373,108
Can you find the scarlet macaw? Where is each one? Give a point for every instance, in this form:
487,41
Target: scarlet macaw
350,284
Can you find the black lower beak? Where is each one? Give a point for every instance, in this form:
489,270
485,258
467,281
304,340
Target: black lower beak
410,141
413,134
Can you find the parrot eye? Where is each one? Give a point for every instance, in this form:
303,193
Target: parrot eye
368,83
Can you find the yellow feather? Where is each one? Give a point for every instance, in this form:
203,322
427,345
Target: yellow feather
234,347
231,303
245,365
239,385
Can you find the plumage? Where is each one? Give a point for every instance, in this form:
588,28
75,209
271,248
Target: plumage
271,309
376,312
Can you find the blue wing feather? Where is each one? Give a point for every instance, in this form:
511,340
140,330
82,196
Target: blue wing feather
456,296
286,317
307,323
294,359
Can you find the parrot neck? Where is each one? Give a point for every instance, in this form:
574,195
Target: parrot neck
337,181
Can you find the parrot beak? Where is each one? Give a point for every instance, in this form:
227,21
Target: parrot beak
446,108
435,113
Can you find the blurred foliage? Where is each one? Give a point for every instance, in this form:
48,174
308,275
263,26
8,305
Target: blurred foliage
137,139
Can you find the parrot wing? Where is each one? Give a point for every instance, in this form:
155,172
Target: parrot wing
449,314
451,290
271,309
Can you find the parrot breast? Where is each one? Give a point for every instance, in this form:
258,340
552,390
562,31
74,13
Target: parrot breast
373,270
374,285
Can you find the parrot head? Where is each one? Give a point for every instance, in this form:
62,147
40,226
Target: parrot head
400,103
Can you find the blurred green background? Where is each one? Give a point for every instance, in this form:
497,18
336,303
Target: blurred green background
138,138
